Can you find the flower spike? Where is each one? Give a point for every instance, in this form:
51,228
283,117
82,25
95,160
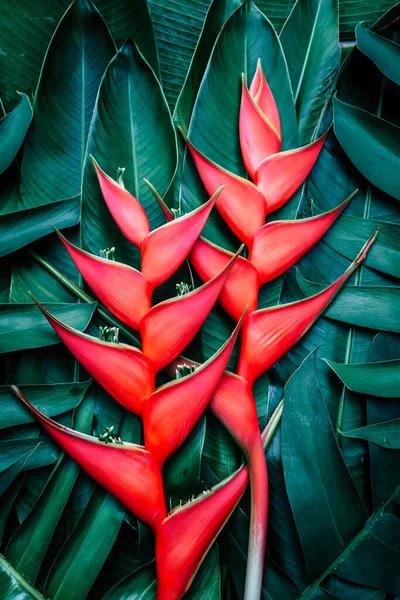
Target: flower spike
280,244
279,176
122,289
171,412
241,204
269,333
125,209
169,326
123,371
165,248
258,137
127,471
242,284
262,95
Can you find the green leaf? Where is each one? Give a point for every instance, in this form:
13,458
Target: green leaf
13,585
217,15
371,143
130,108
45,452
386,434
13,128
28,545
54,150
140,585
246,36
17,229
364,306
51,400
24,326
377,379
310,41
349,234
384,53
317,480
123,17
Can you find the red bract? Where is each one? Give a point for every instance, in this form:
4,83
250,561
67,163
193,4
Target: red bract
263,97
171,412
128,471
269,333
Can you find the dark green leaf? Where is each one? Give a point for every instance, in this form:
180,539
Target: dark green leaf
45,452
17,229
364,306
376,379
54,150
131,128
385,434
140,585
384,53
13,128
371,143
317,480
310,41
51,400
13,585
24,326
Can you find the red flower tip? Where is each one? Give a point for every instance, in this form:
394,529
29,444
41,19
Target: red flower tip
166,210
122,289
258,137
169,326
279,176
165,248
280,244
263,97
135,375
125,209
127,471
185,536
242,284
269,333
171,412
240,203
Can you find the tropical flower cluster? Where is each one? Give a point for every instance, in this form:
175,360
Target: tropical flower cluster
134,473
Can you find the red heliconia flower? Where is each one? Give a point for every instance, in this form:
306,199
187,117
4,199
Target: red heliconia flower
124,372
164,249
169,326
263,97
171,412
269,333
127,471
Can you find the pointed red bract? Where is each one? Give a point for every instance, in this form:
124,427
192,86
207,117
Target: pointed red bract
171,412
123,371
262,95
127,471
258,137
125,209
122,289
269,333
242,284
185,537
240,203
280,244
165,248
279,176
169,326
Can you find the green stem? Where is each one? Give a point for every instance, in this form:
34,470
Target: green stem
5,566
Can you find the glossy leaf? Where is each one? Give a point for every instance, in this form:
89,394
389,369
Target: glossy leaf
310,41
53,158
22,326
375,378
102,360
383,52
386,434
13,128
20,228
378,150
